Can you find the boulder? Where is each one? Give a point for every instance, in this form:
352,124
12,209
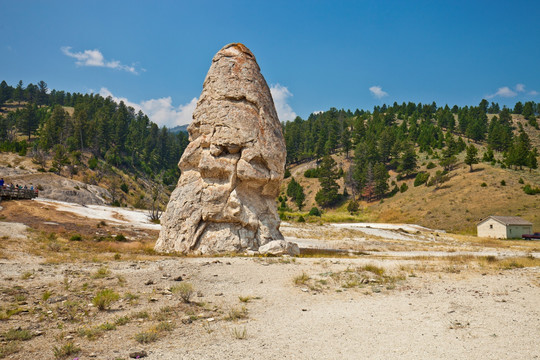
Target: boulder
233,166
280,247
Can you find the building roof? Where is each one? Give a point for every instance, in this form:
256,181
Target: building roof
507,220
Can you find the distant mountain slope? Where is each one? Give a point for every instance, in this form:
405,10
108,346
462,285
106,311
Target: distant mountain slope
179,128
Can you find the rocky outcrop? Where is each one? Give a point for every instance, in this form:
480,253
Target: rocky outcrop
233,166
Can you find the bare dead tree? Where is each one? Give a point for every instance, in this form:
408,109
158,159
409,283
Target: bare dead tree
155,211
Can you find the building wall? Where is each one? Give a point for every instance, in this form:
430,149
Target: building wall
493,229
515,231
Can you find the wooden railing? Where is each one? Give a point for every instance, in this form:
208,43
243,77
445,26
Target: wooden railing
8,193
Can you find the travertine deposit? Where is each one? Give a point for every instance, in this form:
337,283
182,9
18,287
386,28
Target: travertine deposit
233,166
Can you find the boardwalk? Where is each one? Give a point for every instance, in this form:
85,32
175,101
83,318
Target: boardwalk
7,193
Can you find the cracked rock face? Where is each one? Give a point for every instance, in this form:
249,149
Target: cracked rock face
233,166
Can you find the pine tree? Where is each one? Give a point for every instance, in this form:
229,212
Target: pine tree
472,156
380,179
408,161
328,195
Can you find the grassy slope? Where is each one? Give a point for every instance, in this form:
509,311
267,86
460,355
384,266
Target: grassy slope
457,206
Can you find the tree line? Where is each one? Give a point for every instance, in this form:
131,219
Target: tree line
112,132
389,137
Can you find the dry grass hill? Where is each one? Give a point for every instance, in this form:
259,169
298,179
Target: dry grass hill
456,206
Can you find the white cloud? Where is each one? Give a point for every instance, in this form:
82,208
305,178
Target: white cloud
378,92
96,58
533,92
317,112
161,111
520,87
504,91
280,95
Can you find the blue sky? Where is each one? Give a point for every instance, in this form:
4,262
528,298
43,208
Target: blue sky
313,54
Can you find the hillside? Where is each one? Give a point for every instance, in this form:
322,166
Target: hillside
456,206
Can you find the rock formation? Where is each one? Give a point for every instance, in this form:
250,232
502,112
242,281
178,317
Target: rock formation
233,166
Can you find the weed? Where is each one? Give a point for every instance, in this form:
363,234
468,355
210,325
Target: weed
164,313
164,326
184,290
122,320
240,334
301,279
26,275
373,269
237,314
107,326
245,299
131,297
101,273
46,295
146,337
8,349
18,334
117,256
105,298
141,315
65,350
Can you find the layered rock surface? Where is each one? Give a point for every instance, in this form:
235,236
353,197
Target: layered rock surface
233,166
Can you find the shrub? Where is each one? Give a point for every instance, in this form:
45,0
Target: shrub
314,211
184,290
18,334
120,238
503,183
105,298
76,237
404,187
353,206
521,181
301,219
124,188
529,190
421,178
146,337
101,273
92,163
287,174
483,184
312,173
431,165
65,350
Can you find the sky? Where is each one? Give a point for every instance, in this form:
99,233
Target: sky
314,55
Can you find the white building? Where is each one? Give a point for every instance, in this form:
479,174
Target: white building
503,227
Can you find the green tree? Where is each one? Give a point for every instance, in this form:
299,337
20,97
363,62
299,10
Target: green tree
380,178
296,192
518,108
28,120
408,161
18,94
472,156
328,194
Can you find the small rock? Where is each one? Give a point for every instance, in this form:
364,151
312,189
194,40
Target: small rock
178,278
138,354
149,282
153,299
69,337
210,319
219,294
305,290
93,355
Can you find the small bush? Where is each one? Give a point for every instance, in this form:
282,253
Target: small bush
287,174
76,237
122,320
92,163
124,188
146,337
18,334
521,181
404,187
184,290
503,183
421,178
353,206
483,184
240,334
431,165
237,314
65,350
314,211
120,238
105,298
301,219
312,173
301,279
529,190
101,273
